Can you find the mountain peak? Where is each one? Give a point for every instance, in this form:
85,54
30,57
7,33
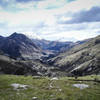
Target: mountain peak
19,45
15,34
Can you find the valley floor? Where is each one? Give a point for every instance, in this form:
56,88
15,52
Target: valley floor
14,87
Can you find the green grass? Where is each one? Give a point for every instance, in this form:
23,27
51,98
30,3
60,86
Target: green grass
62,89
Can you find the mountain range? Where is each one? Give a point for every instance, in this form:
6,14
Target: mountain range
24,56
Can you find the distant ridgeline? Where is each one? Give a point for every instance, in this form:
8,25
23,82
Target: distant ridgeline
24,56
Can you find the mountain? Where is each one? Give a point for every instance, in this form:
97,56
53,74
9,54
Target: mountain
41,43
23,56
18,46
82,59
54,46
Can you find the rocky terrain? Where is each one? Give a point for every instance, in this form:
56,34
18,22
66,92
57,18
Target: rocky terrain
23,56
18,46
82,59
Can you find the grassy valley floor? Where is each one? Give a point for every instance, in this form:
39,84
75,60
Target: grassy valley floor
44,88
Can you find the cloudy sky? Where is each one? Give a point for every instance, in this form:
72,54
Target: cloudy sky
63,20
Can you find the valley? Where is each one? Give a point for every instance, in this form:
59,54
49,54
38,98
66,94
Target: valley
49,70
49,49
21,55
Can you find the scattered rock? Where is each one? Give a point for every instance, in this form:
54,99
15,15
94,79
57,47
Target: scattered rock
34,98
51,95
81,86
54,78
19,86
60,90
36,77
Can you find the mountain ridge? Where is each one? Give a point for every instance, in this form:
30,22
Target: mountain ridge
19,46
26,56
81,58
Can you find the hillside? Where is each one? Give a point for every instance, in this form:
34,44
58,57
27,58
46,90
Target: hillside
18,46
23,56
29,67
83,58
11,66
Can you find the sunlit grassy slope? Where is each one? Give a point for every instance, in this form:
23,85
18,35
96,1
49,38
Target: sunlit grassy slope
46,89
84,57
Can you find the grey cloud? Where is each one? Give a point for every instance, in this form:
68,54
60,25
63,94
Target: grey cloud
71,27
92,15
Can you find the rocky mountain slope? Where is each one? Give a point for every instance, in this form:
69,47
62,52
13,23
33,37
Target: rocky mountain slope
54,46
82,59
18,46
29,67
23,56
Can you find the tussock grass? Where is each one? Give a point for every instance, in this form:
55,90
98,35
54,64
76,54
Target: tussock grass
46,89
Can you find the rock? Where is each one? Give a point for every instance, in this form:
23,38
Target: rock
81,86
34,98
54,78
36,77
19,86
60,90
